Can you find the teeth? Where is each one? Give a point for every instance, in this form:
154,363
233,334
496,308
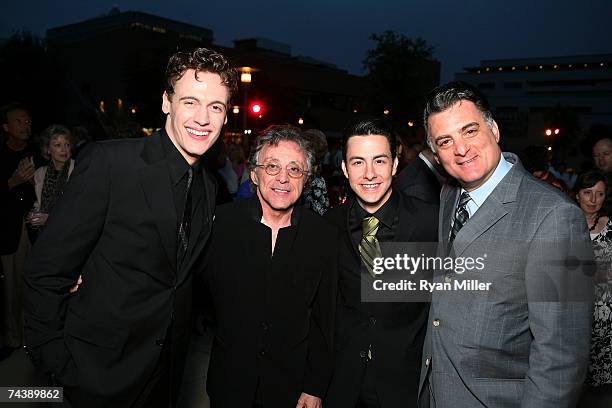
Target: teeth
197,132
280,190
370,185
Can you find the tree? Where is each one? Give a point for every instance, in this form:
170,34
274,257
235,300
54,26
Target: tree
401,71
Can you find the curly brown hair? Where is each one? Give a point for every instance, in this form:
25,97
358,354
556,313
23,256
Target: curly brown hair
201,60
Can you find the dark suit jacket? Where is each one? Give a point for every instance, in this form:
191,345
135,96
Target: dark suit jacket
116,225
417,180
394,331
273,315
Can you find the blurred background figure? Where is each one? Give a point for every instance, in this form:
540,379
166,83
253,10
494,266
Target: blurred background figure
16,198
50,180
236,155
315,196
591,194
422,178
602,156
80,138
536,161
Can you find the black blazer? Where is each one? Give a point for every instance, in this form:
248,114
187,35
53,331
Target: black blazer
116,225
417,180
394,331
273,317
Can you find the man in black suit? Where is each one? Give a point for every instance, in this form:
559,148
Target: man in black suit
133,219
271,270
378,345
422,178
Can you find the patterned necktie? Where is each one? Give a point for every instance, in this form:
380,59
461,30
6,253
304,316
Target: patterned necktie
461,216
184,226
369,247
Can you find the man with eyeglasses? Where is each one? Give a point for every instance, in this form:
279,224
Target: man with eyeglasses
271,273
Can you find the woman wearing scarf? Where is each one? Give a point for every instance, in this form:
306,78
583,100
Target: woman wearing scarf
49,180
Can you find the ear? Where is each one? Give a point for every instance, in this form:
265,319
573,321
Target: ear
254,178
495,131
395,163
344,169
165,103
225,121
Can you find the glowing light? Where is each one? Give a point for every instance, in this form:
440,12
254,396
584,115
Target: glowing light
410,123
236,110
300,121
557,131
548,132
386,111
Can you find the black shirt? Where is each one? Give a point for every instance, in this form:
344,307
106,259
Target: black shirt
177,168
387,216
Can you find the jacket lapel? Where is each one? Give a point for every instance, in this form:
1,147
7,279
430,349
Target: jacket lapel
203,220
493,209
157,189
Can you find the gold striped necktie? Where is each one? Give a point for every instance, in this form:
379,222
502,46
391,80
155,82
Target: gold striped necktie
369,249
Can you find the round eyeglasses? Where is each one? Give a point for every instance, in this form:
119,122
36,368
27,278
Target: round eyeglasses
274,168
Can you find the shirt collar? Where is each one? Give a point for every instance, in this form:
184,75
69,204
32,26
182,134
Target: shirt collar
176,162
479,195
433,168
385,214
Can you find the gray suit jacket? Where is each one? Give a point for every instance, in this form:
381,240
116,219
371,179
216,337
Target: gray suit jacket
525,341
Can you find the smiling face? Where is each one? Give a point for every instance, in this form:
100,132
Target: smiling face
591,199
59,150
369,168
279,193
196,112
466,146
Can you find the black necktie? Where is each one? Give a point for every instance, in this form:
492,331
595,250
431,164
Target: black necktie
461,216
185,225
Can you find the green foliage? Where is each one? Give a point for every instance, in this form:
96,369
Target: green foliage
401,71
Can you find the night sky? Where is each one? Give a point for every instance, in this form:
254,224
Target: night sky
337,31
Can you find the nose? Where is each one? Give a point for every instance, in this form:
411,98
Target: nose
460,147
592,198
201,117
283,176
369,171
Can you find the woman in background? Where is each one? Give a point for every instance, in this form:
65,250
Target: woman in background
49,180
591,194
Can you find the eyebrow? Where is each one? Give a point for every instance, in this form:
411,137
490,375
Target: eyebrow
463,129
182,98
378,156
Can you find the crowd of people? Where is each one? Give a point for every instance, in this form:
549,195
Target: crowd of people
111,262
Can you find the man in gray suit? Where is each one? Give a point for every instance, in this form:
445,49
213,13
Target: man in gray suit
511,327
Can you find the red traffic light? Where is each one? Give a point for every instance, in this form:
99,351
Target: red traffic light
256,108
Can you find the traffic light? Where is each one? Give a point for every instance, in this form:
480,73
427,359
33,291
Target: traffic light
256,108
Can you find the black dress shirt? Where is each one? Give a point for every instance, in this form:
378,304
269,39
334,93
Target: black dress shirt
387,216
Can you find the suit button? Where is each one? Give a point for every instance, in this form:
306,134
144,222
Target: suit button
363,354
372,321
436,323
262,353
448,278
159,342
265,325
427,361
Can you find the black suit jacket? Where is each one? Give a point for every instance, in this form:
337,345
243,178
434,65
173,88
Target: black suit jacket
116,225
417,180
273,317
393,331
